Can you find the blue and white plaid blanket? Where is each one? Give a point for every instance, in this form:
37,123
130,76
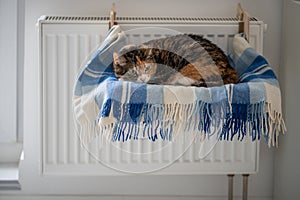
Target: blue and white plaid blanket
121,110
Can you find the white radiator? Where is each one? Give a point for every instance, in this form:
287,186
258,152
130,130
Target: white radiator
65,42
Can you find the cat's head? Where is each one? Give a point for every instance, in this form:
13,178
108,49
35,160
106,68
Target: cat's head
134,64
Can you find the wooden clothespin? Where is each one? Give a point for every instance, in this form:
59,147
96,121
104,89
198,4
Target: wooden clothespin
112,16
244,21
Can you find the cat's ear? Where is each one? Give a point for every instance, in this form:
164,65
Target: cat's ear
116,58
150,51
129,47
142,46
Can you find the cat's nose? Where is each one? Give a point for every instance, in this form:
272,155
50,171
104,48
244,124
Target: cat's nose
143,78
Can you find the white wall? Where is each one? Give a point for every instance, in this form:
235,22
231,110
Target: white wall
287,174
211,187
8,71
270,12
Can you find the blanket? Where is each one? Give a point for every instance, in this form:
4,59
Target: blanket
119,110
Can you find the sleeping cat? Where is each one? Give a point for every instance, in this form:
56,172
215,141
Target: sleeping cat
188,60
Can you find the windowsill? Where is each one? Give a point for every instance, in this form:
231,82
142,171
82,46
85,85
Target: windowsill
10,155
10,152
9,177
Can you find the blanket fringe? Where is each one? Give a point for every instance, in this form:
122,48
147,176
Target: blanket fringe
198,119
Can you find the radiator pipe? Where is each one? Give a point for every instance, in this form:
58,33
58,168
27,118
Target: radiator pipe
245,186
230,186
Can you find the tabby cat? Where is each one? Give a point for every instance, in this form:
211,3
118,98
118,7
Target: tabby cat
189,60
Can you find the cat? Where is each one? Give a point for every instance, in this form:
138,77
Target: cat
186,59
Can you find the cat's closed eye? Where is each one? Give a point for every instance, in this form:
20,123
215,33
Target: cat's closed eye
147,68
132,71
148,58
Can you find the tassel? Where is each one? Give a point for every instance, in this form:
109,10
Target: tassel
198,119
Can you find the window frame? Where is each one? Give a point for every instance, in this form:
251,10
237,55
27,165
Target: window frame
12,13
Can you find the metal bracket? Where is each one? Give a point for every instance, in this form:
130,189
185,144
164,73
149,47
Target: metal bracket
112,16
244,21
